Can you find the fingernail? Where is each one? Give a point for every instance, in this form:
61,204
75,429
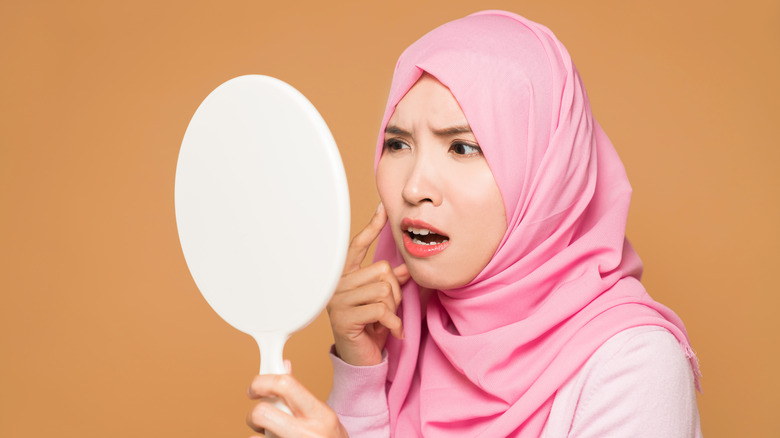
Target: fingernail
379,207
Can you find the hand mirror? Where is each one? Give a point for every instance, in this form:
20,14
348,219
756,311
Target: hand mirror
262,209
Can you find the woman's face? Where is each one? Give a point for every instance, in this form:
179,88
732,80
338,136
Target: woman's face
443,205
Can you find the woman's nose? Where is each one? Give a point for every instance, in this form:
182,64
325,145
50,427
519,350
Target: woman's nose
422,184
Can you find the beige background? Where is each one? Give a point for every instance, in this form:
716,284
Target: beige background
102,331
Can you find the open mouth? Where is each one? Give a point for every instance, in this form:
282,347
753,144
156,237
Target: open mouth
423,236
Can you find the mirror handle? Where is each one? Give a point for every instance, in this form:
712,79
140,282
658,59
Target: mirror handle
272,362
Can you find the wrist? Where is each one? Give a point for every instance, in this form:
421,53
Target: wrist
358,358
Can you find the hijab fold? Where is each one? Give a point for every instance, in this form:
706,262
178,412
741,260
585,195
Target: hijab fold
487,358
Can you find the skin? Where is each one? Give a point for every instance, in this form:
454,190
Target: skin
311,417
433,170
428,171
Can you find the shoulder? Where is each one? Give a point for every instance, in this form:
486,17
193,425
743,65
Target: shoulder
638,383
646,353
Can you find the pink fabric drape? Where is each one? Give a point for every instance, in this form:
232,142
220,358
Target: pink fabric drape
487,358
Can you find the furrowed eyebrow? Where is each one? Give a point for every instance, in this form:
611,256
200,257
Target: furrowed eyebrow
453,130
444,132
392,129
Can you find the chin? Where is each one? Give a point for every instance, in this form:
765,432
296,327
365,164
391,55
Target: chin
436,279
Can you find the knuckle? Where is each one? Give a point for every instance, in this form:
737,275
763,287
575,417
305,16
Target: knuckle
255,418
385,268
258,413
359,240
386,289
282,382
382,310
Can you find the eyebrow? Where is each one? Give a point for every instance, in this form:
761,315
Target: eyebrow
444,132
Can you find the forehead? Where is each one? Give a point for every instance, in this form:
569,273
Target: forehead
428,103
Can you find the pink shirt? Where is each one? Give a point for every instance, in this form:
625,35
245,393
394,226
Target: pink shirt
637,384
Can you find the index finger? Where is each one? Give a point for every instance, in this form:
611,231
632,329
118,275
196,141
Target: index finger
358,247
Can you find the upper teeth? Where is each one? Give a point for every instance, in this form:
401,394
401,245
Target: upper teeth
420,231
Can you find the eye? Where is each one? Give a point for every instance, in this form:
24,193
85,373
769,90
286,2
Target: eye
465,149
395,145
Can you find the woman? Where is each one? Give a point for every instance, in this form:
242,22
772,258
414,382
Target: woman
503,273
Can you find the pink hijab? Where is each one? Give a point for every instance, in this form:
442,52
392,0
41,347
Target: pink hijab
487,359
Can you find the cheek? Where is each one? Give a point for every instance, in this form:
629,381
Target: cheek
388,185
390,180
477,194
384,183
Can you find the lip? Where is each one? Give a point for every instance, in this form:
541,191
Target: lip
417,223
417,250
